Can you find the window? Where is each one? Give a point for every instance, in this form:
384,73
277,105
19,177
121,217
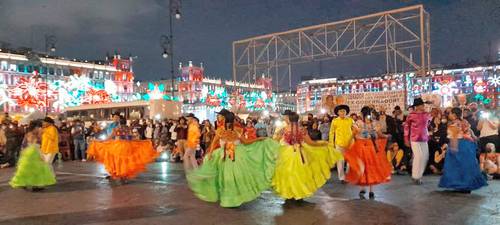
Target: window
13,67
51,71
21,68
4,65
28,69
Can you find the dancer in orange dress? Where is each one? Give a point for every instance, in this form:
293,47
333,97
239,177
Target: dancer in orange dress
122,157
367,160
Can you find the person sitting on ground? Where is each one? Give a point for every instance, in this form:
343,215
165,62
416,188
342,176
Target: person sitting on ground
395,156
437,161
489,162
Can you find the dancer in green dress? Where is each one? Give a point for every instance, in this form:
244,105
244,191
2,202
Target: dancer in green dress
238,171
32,172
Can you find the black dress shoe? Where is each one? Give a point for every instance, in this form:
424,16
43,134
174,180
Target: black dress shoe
362,194
417,181
371,195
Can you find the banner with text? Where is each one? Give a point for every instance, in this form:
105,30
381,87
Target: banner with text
386,99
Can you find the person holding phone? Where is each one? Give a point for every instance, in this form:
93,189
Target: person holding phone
488,127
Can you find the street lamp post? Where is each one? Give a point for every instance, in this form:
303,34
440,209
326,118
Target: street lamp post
50,46
167,42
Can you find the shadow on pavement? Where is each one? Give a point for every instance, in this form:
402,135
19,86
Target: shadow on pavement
95,216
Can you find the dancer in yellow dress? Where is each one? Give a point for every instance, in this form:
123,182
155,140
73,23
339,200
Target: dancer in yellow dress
303,165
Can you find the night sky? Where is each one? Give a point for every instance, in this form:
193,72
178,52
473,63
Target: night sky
87,29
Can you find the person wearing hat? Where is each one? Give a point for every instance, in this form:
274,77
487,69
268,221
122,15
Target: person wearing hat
219,123
192,142
50,140
416,136
340,137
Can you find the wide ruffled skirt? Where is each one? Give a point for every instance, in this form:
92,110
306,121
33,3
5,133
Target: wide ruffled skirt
300,172
32,171
123,158
367,165
461,169
234,182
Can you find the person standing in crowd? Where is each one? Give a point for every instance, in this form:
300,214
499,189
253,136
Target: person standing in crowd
50,141
368,165
157,130
461,168
261,129
472,119
354,117
78,134
398,135
415,131
13,142
314,132
207,134
324,128
3,140
32,172
250,132
149,130
341,136
488,127
192,142
437,139
181,130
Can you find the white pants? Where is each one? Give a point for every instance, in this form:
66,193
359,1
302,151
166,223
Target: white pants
340,164
420,156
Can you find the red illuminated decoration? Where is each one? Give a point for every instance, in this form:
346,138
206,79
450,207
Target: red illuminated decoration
93,96
124,76
32,92
213,101
184,86
480,86
259,103
121,64
266,82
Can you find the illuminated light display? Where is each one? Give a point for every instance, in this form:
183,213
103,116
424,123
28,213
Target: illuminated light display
154,92
494,80
32,92
93,96
480,86
4,95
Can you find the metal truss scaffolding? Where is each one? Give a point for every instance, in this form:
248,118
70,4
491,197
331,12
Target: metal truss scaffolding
400,35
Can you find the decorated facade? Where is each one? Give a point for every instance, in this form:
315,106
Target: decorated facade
477,84
204,96
30,82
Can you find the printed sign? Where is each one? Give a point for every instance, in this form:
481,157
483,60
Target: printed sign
386,99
